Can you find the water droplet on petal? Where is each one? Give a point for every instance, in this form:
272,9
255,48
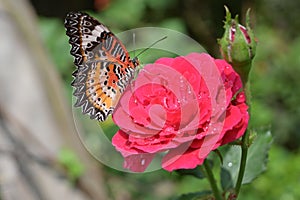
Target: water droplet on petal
205,128
125,163
143,161
227,70
230,164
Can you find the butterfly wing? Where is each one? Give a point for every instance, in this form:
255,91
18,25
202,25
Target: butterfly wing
103,65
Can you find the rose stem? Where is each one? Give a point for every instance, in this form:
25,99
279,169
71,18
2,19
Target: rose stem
245,142
243,162
212,181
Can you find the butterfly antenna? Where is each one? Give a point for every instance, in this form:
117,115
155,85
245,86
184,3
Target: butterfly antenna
133,39
154,43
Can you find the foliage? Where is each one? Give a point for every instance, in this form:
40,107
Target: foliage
71,164
280,181
274,79
256,160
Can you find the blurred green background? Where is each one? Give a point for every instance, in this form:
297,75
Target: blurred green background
275,79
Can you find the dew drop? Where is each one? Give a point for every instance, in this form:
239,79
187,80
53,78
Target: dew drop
230,164
227,70
143,161
181,79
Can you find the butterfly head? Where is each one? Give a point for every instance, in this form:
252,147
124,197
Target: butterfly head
135,62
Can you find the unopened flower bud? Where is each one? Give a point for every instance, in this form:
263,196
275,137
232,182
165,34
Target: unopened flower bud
238,45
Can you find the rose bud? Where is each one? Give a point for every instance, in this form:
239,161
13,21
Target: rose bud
238,45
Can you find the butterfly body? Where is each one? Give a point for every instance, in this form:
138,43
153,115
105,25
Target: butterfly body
104,67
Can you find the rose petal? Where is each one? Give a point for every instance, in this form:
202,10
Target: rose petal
138,162
181,158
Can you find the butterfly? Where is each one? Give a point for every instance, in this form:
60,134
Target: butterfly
104,67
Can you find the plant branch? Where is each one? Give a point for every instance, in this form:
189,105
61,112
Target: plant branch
243,162
245,144
212,181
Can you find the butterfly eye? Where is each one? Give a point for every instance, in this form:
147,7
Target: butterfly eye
135,61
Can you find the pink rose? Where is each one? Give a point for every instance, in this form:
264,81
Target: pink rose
181,108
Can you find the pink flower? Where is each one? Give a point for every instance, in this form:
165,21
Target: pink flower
181,108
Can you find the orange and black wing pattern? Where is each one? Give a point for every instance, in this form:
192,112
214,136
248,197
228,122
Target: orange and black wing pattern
104,67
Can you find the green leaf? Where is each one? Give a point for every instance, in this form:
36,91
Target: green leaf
194,195
159,5
256,160
226,179
69,160
196,172
124,13
174,24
